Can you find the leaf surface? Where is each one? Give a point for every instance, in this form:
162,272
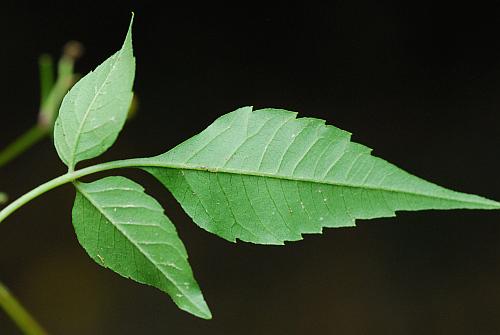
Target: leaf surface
94,111
267,177
124,229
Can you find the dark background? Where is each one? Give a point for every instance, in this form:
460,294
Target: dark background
418,82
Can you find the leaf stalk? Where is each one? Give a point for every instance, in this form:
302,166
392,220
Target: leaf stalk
64,179
18,313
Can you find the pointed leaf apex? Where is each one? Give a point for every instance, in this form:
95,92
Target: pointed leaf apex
94,111
129,32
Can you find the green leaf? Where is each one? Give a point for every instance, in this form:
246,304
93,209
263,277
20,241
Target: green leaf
267,177
94,111
124,229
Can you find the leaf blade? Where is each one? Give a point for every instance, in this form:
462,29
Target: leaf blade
124,229
94,111
289,176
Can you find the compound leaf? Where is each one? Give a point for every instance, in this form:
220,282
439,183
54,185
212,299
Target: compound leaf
267,177
94,111
124,229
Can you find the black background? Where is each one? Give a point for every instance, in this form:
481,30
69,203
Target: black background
417,82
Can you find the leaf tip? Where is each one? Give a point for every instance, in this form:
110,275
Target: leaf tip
132,15
128,38
486,203
198,308
206,314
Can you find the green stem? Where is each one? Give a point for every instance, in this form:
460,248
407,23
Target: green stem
22,143
18,313
52,94
51,97
67,178
46,73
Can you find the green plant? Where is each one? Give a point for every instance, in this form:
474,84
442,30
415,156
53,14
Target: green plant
52,92
259,176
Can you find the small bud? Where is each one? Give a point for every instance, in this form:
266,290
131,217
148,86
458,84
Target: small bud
3,198
73,50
